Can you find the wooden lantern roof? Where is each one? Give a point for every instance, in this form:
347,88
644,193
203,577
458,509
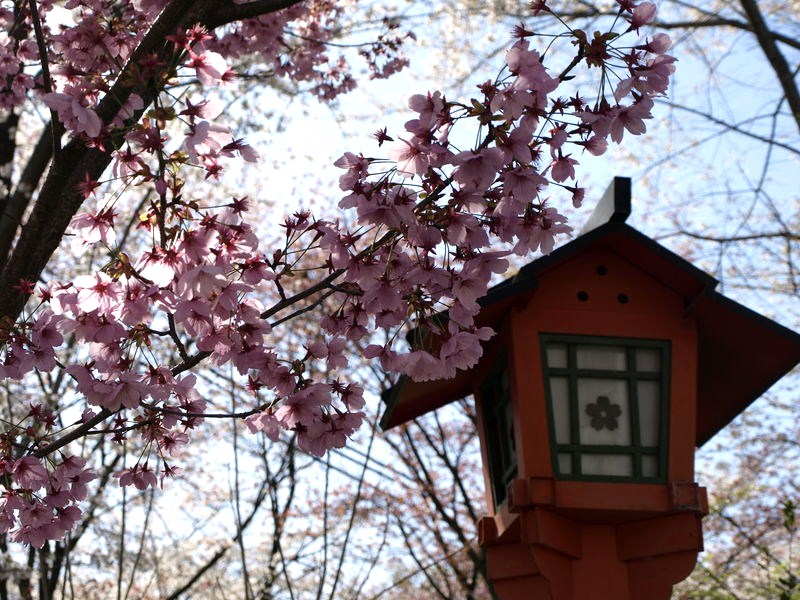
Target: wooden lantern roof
741,353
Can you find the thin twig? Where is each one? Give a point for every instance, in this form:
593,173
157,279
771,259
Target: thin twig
55,125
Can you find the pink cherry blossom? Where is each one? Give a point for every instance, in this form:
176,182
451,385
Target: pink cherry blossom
206,138
95,227
523,183
595,145
210,67
303,407
29,473
385,355
200,281
140,476
420,365
539,233
462,350
563,168
336,358
431,108
515,145
660,43
97,292
159,266
531,74
512,102
643,14
357,167
195,316
352,395
331,432
477,170
193,283
630,118
73,111
411,154
266,422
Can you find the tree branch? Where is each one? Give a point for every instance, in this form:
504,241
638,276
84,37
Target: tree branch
75,434
776,59
787,235
735,127
55,130
724,22
11,216
229,12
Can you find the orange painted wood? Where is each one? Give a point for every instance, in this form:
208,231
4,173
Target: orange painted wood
557,558
570,540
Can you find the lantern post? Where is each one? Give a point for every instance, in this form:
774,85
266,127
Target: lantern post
614,359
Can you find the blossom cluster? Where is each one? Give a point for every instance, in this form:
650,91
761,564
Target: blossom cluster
451,212
433,224
101,35
199,289
43,503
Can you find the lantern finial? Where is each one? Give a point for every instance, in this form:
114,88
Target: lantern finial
614,206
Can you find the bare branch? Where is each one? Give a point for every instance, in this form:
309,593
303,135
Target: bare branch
735,127
788,235
11,216
56,130
776,59
718,21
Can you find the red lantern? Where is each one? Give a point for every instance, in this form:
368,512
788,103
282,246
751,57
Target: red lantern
614,358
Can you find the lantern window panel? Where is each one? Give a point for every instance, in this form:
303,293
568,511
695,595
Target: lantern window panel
499,427
607,403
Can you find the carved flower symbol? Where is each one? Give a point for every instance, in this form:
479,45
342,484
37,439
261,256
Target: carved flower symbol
604,414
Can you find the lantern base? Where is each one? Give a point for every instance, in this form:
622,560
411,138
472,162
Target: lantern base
539,553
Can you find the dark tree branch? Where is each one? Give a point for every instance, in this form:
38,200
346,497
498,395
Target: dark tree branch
8,128
724,22
228,12
56,130
11,216
8,146
787,235
705,20
735,127
75,434
766,40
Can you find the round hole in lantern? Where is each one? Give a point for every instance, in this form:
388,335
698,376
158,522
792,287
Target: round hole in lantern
607,402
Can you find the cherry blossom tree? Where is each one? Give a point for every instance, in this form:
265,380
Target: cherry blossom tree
132,91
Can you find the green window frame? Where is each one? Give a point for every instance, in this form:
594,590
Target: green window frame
498,420
638,371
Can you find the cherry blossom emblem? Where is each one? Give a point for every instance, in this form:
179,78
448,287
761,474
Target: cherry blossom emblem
604,414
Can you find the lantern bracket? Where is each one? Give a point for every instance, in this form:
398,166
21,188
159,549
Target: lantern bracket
688,496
